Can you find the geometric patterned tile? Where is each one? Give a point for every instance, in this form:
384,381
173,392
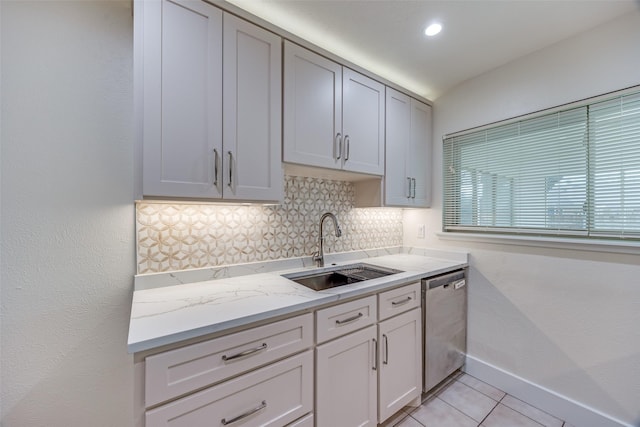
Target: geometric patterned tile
172,236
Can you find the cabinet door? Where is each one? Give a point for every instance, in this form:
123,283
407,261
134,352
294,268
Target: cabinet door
182,98
346,380
362,123
398,125
312,108
400,362
252,102
419,160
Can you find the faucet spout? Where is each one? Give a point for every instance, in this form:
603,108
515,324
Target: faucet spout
319,256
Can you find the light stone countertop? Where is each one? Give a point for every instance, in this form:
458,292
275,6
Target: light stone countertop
169,313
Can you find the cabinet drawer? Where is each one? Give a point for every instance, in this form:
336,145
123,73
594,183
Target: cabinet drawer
271,396
306,421
341,319
398,300
177,372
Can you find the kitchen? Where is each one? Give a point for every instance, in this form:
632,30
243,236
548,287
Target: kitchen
68,240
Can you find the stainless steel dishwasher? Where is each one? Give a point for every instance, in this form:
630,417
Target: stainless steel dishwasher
444,317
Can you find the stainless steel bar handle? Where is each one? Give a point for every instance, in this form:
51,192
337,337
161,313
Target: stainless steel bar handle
245,353
230,169
401,302
413,195
215,167
375,355
346,147
409,194
350,319
252,411
386,349
337,142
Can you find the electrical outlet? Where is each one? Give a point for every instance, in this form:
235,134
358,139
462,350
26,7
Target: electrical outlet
421,231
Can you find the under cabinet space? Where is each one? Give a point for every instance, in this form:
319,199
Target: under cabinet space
274,395
183,370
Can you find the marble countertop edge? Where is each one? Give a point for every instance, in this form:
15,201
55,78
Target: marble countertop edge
147,344
173,312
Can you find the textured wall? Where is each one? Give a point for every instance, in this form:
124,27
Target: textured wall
564,320
67,213
182,236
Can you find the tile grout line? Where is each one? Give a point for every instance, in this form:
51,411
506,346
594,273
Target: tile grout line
502,398
526,416
492,409
473,419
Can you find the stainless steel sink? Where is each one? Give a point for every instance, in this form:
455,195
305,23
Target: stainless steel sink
327,278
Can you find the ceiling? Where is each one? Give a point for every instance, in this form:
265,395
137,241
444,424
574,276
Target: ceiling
387,36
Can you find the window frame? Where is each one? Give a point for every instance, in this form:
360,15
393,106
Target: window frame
590,239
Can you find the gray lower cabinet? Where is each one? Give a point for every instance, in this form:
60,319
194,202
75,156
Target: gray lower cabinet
271,396
364,377
347,380
262,376
364,366
400,358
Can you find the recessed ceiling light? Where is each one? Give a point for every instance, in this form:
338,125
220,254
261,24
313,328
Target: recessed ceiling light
433,29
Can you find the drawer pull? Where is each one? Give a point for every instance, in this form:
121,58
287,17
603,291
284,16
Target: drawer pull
245,414
245,353
404,301
350,319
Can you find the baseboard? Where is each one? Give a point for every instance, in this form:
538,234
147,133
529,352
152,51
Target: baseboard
547,400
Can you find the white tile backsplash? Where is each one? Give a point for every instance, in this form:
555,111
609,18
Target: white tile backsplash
174,236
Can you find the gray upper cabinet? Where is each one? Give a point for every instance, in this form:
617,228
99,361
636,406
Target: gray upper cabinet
407,180
252,101
187,150
333,116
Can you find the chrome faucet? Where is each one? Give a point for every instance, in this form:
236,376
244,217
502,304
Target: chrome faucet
318,257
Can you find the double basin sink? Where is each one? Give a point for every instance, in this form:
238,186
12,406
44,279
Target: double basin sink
327,278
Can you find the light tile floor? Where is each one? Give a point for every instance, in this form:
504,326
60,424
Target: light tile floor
465,401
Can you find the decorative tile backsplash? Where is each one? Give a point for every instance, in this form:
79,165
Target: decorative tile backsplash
184,236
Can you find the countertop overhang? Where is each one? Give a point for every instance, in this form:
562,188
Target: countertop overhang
169,314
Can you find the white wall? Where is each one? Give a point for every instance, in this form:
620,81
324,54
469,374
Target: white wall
67,213
564,320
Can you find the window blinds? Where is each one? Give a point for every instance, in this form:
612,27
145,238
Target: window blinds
574,172
614,166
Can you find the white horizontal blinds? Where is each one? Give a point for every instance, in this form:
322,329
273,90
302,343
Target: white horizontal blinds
614,132
523,177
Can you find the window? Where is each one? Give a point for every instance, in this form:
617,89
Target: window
574,172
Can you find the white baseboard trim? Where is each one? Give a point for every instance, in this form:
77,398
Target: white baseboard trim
542,398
